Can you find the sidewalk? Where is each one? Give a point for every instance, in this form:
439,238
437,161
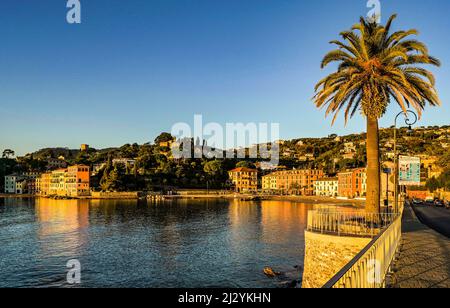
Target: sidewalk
425,256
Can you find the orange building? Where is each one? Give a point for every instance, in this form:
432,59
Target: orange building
360,182
244,179
77,181
71,182
292,181
352,183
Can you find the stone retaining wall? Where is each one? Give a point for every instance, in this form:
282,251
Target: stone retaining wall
326,255
115,195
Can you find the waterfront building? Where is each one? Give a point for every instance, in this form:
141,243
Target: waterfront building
326,187
57,183
360,182
71,182
21,183
244,179
269,183
10,183
300,182
352,183
32,183
21,186
77,181
44,184
345,188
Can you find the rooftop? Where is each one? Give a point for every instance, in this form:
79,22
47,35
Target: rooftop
243,170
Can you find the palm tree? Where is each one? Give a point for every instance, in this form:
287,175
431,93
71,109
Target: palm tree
374,68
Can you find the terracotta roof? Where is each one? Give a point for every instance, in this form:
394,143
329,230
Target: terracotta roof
243,170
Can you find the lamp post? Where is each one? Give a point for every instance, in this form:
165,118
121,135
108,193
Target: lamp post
410,122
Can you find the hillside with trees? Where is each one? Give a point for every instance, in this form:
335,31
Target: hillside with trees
154,168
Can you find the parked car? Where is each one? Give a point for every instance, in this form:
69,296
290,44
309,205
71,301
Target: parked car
438,203
417,201
429,201
447,204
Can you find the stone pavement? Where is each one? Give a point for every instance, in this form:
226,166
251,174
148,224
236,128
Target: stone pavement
424,260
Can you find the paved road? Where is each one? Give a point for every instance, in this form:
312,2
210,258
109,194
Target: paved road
424,260
436,218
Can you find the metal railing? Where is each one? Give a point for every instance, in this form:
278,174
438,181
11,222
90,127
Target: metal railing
348,223
370,268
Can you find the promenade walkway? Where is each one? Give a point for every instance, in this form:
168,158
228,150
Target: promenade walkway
425,256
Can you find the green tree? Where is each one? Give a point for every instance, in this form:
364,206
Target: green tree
164,137
374,68
245,164
7,167
214,172
444,180
8,153
433,184
104,181
114,180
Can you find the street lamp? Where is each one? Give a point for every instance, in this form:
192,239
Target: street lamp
410,122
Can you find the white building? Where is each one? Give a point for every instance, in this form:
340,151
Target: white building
11,183
327,187
126,162
21,183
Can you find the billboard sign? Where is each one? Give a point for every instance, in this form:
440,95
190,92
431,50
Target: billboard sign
409,171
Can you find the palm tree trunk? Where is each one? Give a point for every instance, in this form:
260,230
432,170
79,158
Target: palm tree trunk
373,167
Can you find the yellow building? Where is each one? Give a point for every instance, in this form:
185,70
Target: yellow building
245,180
58,183
71,182
44,184
269,183
326,187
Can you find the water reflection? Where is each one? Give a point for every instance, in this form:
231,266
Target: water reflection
184,243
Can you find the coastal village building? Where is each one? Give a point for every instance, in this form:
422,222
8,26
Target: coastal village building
10,183
269,183
326,187
71,182
55,163
21,183
244,179
360,182
299,182
21,186
57,182
32,183
125,162
77,181
352,183
44,184
429,168
345,186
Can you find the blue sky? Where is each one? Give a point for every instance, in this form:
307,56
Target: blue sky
134,68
